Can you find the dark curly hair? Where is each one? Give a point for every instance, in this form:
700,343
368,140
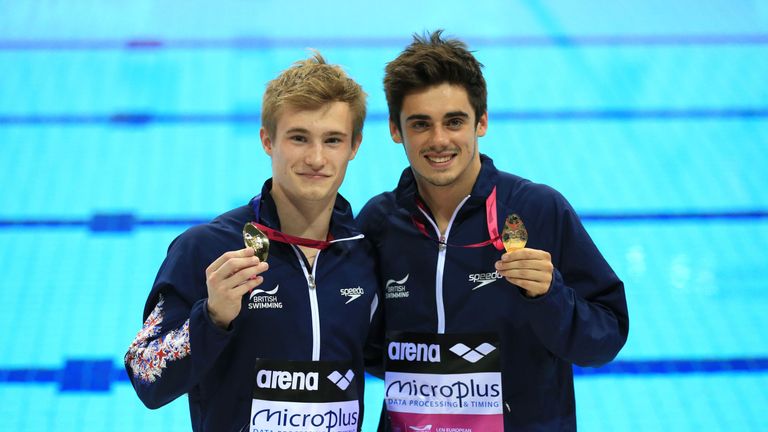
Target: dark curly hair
429,61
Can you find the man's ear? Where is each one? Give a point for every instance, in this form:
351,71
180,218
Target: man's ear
395,132
482,125
356,145
266,141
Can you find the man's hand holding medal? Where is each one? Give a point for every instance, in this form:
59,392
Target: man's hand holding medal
529,269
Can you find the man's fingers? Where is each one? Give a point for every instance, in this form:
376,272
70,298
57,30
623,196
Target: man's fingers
240,276
535,265
247,286
220,261
528,275
234,265
249,273
529,269
526,254
231,267
532,289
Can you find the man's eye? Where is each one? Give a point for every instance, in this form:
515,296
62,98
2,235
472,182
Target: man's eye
333,140
298,138
455,123
420,125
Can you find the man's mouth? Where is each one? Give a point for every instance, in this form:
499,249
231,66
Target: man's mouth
440,159
314,175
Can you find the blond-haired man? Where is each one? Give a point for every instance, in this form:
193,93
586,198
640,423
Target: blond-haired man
274,344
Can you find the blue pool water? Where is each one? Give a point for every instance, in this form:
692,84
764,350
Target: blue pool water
121,125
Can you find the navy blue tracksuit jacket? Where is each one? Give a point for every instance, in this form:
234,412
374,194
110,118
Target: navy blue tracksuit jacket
582,320
309,316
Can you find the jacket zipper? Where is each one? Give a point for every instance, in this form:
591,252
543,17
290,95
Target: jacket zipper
312,286
313,307
442,249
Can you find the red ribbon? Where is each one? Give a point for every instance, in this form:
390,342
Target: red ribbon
275,235
492,221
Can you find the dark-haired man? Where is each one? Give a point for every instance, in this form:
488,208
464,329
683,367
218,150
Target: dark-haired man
479,338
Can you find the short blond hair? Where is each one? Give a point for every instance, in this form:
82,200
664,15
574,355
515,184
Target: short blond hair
308,85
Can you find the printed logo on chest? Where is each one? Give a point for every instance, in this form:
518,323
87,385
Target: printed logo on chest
352,293
396,289
263,299
483,279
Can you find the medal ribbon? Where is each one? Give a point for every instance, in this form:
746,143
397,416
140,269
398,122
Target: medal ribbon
281,237
490,218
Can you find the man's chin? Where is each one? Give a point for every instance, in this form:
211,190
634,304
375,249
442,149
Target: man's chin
439,180
316,195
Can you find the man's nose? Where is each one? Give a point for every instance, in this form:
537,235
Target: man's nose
315,156
440,136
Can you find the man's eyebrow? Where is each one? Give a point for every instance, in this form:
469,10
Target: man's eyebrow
297,130
418,117
447,115
456,114
304,131
335,133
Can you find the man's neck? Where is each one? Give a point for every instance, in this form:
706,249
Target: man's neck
307,219
443,200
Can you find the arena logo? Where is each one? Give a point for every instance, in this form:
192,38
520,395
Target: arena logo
342,381
414,352
472,355
285,380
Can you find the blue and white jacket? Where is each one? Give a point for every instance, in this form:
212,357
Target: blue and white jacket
582,320
179,350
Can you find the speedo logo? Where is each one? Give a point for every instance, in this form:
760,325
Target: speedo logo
472,355
483,279
352,293
414,352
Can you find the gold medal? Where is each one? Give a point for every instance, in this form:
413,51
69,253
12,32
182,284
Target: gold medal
257,240
514,235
